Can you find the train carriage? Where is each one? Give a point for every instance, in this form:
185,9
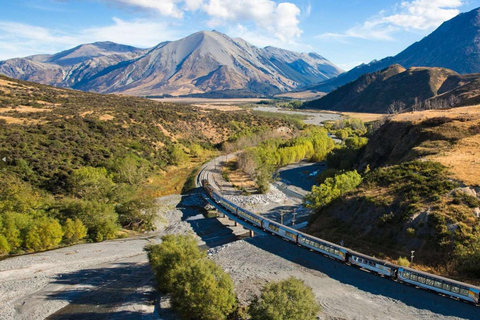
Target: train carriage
372,264
325,247
249,216
281,230
439,284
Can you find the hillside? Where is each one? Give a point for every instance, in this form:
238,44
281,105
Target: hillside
454,45
204,62
420,192
396,88
82,165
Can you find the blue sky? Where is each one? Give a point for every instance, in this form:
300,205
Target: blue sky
347,32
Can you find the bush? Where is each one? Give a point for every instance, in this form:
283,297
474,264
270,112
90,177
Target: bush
45,234
4,246
403,262
99,218
199,288
289,299
167,257
203,291
73,231
332,188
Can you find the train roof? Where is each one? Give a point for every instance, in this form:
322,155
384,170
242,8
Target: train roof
379,261
322,240
426,274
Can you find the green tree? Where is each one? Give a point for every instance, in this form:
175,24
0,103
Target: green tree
332,188
178,156
74,230
289,299
166,258
99,218
4,246
203,291
44,234
91,183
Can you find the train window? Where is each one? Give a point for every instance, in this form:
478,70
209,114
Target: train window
429,282
455,289
421,279
406,274
414,277
438,284
447,287
464,292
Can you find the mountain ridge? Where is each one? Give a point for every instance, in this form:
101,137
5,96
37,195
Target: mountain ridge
454,45
395,88
206,61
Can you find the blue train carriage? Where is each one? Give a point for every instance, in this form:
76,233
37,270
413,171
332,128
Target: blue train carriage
216,197
249,216
228,205
325,247
281,230
372,264
439,284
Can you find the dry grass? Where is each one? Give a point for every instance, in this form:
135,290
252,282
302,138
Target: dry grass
12,120
365,117
24,109
472,112
238,178
463,160
106,117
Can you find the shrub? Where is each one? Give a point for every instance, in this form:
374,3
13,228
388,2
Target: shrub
45,234
403,262
99,218
203,291
74,230
332,188
167,257
289,299
4,246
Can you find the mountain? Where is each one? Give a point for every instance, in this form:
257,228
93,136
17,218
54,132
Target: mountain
204,62
68,67
420,86
454,45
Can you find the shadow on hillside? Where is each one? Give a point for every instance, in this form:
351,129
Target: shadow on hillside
365,281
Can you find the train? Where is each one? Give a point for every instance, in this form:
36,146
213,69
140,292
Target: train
447,287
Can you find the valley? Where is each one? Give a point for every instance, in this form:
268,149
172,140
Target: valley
153,169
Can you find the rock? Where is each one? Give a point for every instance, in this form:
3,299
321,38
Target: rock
476,212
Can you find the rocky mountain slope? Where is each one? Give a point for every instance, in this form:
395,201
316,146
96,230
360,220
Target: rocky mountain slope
396,88
454,45
204,62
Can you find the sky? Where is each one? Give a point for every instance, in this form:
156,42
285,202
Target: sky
347,32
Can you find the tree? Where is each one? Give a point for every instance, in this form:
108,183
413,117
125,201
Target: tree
203,291
289,299
91,183
332,188
178,156
167,257
44,234
74,230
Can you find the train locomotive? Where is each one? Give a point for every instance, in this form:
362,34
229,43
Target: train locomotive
448,287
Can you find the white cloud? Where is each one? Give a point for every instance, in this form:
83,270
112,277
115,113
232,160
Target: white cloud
164,7
408,15
19,40
280,20
140,33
